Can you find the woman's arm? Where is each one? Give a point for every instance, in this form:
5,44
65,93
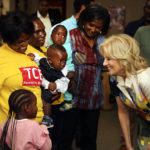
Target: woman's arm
124,119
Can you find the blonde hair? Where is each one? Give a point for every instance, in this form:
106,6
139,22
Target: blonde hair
125,49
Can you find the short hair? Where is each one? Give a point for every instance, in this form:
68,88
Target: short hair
78,3
124,48
13,24
95,12
55,47
59,26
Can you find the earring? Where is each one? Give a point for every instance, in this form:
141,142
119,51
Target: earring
100,32
83,26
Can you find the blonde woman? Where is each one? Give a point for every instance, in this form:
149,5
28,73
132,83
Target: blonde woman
122,58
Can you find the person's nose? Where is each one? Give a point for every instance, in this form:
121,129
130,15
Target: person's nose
43,34
105,63
93,29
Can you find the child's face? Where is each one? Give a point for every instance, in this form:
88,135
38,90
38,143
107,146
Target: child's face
59,36
32,108
58,60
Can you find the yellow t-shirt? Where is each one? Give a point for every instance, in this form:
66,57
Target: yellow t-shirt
31,49
17,71
44,49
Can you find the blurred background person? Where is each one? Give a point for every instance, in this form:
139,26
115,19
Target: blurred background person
132,27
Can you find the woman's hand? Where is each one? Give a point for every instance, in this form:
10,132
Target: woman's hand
70,74
31,55
80,58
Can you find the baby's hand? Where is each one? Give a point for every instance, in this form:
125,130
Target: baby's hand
31,55
52,86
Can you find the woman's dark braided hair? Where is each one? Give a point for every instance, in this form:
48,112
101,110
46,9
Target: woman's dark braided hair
16,100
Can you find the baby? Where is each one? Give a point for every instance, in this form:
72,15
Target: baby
54,71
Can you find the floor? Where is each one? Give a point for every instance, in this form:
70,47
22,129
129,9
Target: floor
108,131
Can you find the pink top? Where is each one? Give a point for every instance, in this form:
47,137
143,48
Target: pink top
29,135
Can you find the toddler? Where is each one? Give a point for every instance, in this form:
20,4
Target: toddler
58,35
19,132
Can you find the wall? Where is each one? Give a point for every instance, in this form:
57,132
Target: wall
134,9
6,6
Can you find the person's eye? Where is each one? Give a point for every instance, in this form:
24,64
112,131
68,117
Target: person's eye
91,25
37,32
99,28
107,58
57,34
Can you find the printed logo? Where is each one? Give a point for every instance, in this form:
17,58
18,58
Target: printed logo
32,76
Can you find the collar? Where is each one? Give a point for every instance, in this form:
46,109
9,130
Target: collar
49,64
22,119
127,82
73,18
40,16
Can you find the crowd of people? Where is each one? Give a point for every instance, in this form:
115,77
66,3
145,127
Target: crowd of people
51,89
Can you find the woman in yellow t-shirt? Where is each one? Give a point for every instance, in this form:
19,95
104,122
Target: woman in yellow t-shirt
17,70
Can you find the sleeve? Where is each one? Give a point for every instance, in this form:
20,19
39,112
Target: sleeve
2,78
68,48
47,145
64,71
45,83
62,84
41,138
37,58
4,67
137,36
144,82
